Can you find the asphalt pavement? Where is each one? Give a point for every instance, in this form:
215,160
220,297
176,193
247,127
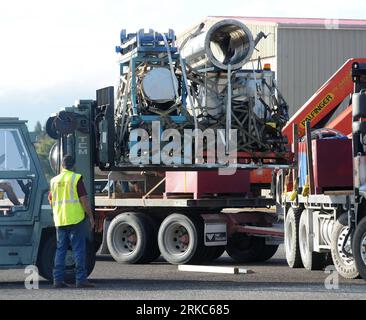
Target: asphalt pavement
159,280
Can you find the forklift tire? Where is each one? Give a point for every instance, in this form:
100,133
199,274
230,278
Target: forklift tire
244,248
311,260
359,247
292,248
46,257
345,265
131,238
181,239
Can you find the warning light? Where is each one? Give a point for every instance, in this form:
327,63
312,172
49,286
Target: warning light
267,67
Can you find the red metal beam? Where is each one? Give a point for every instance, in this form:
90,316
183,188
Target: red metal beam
274,232
343,122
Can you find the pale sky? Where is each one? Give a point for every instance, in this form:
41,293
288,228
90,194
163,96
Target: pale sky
54,52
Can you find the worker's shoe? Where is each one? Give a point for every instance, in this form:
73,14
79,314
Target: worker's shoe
85,284
60,285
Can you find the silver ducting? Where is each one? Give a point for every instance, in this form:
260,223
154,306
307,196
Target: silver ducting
227,42
158,85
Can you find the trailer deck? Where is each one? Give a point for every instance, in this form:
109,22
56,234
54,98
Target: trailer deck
239,202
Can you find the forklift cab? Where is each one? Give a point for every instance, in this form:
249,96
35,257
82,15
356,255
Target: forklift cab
15,190
23,192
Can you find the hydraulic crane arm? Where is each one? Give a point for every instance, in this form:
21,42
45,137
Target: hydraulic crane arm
324,101
343,122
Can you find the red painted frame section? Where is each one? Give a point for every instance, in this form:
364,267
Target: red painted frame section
343,122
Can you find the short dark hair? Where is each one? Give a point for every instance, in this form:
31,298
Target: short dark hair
68,162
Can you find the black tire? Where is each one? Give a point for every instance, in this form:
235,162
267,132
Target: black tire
292,248
244,248
359,247
46,258
207,254
154,247
218,252
345,265
98,239
310,260
329,259
171,232
267,253
131,239
210,254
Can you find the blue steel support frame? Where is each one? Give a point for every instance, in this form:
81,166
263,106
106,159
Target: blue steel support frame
133,87
135,59
148,48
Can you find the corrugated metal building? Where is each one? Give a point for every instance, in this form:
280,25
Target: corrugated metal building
304,52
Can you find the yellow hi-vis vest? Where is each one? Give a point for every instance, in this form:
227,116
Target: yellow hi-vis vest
67,209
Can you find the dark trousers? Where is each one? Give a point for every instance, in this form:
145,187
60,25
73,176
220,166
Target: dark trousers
76,236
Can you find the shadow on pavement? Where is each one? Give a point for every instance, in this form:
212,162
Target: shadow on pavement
223,261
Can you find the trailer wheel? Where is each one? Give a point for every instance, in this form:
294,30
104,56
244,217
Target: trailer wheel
46,259
359,248
244,248
344,263
311,260
181,239
210,254
292,248
267,253
131,238
218,252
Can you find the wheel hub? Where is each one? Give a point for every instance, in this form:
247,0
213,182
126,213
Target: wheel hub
129,238
347,259
177,239
125,239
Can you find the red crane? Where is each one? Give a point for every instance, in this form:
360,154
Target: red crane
325,100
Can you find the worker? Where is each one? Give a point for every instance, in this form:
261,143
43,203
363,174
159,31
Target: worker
8,189
69,202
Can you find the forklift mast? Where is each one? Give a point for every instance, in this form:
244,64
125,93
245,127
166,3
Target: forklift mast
86,131
73,128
